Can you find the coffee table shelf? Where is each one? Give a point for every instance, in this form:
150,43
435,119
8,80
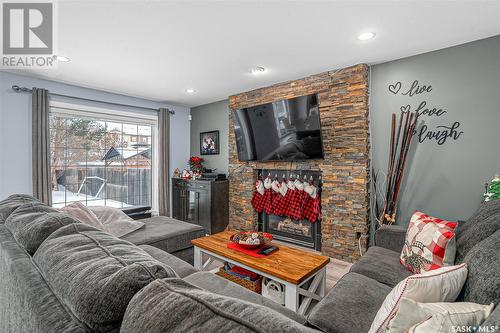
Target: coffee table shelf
302,273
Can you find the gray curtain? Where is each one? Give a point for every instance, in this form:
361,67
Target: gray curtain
164,159
40,145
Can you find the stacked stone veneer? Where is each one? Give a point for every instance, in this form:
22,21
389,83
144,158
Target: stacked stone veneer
343,105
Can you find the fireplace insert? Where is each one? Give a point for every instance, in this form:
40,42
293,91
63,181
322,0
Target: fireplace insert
283,228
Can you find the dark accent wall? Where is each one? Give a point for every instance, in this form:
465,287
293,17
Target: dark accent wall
447,172
343,105
208,117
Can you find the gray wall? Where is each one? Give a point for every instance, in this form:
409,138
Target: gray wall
208,117
15,127
444,180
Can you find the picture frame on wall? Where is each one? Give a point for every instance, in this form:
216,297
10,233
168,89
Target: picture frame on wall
209,143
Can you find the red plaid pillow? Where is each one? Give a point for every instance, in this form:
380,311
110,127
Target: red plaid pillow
429,243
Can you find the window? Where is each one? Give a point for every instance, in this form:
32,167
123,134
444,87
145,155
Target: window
97,159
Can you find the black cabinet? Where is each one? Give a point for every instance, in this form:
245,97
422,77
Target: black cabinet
201,202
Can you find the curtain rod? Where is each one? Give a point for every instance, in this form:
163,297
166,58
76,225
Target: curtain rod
28,90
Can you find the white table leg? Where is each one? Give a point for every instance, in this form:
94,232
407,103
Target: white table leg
291,297
315,291
198,260
322,286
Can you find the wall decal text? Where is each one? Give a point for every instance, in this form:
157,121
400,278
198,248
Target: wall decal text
440,134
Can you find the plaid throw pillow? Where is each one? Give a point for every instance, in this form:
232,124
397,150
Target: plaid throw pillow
429,243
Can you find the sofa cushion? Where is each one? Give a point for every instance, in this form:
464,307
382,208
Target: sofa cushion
27,304
449,322
96,274
224,287
411,313
32,223
173,305
391,237
485,210
350,306
484,222
166,233
483,280
186,255
492,322
382,265
180,267
429,243
8,205
439,285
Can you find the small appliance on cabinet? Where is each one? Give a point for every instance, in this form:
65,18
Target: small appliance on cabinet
202,202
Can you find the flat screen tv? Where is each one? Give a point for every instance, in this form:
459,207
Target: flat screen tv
285,130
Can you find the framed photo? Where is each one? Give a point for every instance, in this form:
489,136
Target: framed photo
209,143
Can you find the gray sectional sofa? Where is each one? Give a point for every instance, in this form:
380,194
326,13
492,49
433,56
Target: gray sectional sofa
59,275
362,291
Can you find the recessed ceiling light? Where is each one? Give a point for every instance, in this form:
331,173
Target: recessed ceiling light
257,70
63,58
366,35
190,91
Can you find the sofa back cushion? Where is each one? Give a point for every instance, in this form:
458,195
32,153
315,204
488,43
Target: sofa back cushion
96,274
173,305
8,205
33,222
27,304
483,223
483,281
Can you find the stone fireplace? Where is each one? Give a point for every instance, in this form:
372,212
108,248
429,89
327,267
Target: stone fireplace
343,107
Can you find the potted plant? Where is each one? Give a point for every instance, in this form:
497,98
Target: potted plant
196,165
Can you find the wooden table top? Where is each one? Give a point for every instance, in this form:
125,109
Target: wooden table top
289,264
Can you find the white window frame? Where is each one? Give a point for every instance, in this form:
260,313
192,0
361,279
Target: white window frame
84,111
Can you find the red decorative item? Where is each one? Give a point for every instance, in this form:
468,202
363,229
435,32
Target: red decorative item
277,198
267,201
257,202
265,237
268,196
280,203
290,193
196,163
312,203
296,201
250,252
429,243
311,209
245,272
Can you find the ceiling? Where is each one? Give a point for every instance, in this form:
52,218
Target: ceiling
158,49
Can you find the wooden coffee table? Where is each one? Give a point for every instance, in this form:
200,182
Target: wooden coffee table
302,273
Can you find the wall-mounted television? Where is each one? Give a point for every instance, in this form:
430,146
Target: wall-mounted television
285,130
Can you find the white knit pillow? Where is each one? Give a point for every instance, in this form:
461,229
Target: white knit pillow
411,313
439,285
445,322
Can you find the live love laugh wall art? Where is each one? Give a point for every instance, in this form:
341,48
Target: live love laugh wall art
440,134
